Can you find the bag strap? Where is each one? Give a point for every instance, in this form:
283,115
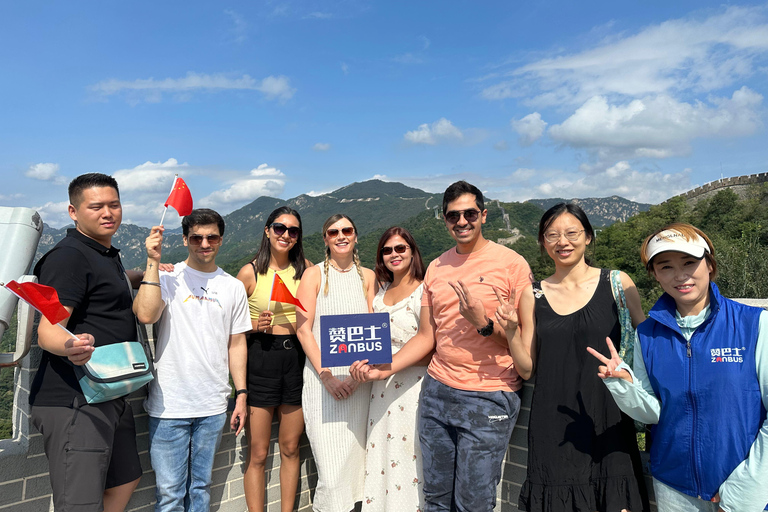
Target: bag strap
626,347
141,334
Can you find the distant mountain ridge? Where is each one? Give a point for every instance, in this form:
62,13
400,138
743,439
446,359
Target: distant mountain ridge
601,211
374,205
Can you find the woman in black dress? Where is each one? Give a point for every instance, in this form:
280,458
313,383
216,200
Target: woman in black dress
582,450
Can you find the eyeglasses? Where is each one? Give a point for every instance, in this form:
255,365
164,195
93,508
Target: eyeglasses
470,215
554,236
279,229
198,239
333,233
399,249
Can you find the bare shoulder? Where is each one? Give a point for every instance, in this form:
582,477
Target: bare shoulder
308,263
245,274
626,281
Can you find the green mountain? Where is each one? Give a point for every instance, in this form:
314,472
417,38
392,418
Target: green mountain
602,211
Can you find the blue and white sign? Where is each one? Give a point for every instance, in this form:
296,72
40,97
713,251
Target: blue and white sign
348,338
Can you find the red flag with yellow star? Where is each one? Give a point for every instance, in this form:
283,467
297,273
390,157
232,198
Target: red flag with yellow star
180,198
281,293
42,298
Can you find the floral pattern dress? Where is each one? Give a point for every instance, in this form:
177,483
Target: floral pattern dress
393,474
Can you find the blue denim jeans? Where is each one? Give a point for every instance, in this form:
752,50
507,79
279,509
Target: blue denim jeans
182,453
464,436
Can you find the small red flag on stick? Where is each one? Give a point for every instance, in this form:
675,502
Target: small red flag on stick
42,298
180,198
281,293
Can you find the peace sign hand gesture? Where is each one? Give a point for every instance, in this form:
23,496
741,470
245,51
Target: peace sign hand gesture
608,369
506,314
471,309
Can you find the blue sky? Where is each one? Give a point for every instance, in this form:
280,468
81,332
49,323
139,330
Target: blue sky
644,99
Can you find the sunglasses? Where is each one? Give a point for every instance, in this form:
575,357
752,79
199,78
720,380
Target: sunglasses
198,239
399,249
470,215
280,229
333,233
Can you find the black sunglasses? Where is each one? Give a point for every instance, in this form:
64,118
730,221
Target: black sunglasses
470,215
399,249
333,233
198,239
279,229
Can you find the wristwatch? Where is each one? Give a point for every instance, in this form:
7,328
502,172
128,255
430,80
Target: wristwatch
487,330
241,392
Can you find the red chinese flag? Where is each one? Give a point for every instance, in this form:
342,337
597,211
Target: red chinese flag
281,293
42,298
180,198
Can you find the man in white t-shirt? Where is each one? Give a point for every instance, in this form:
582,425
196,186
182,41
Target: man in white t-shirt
203,315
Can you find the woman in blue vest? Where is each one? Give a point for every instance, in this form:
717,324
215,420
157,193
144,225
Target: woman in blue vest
701,377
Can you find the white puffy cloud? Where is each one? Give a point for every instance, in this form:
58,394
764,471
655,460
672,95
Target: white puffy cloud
45,172
658,126
54,213
261,181
694,54
439,132
152,90
321,146
530,128
150,176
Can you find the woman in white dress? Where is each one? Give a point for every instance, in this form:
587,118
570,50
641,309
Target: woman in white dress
335,406
393,475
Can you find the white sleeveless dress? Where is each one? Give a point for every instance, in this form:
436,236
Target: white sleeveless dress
336,428
393,467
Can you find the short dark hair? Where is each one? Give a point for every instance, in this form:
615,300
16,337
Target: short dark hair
458,189
383,274
295,255
202,217
89,180
556,211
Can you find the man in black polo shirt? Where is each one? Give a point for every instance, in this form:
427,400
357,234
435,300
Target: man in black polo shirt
91,448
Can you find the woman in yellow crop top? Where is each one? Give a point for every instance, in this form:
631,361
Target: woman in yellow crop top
275,358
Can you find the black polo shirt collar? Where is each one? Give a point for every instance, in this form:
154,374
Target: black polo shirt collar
93,244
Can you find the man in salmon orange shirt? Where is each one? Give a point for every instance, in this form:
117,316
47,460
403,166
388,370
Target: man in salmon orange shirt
470,397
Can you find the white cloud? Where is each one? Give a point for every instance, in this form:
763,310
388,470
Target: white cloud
261,181
152,90
54,214
45,172
319,15
441,131
695,54
344,68
530,128
150,176
425,42
321,146
658,126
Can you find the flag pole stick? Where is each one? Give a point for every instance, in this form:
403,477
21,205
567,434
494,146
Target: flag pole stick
173,185
271,289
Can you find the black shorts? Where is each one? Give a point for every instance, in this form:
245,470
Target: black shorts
90,447
275,368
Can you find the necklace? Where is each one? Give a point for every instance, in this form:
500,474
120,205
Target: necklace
340,270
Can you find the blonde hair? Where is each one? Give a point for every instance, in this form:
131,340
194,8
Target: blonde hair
333,219
690,233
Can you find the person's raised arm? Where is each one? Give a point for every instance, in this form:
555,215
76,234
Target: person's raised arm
148,304
520,328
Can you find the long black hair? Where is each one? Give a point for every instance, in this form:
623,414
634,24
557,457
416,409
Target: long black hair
295,255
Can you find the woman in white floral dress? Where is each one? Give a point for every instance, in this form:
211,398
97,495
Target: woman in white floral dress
393,477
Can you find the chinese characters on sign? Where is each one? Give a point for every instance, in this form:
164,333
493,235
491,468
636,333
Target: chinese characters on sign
345,339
